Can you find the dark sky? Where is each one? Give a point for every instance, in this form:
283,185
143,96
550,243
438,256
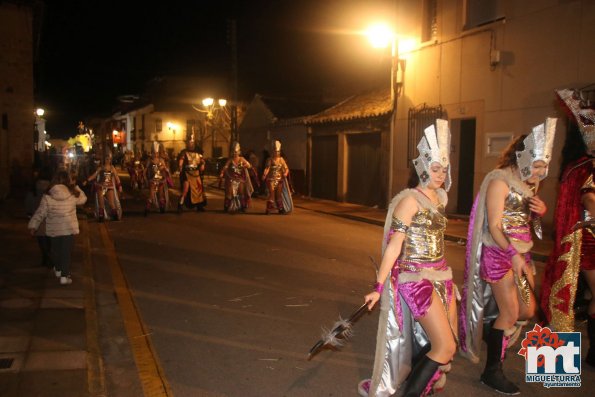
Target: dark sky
93,51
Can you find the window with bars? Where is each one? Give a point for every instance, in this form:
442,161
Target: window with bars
420,118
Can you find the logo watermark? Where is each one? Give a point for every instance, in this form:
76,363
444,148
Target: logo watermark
552,358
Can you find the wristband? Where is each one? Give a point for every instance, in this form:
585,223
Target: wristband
510,251
378,287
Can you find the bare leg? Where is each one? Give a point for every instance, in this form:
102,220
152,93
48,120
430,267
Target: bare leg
435,323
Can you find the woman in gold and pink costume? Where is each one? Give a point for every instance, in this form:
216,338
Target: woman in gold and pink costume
498,295
417,329
238,187
275,175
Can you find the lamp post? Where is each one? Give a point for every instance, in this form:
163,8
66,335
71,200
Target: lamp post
381,36
212,109
40,130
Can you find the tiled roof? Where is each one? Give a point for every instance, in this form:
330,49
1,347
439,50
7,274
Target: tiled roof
369,104
288,108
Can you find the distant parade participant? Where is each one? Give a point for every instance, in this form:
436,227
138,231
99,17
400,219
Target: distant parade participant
498,266
191,164
574,249
107,187
238,187
136,170
275,176
157,174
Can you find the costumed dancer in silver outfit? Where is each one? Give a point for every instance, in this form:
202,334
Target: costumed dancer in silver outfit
238,187
498,289
275,176
107,188
157,175
417,335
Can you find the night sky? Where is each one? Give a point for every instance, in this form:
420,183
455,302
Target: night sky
94,51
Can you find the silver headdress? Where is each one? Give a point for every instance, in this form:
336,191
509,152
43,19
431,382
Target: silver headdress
235,148
582,112
538,146
276,146
434,147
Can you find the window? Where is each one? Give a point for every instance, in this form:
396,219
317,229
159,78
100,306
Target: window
430,20
158,125
420,118
4,121
482,12
217,151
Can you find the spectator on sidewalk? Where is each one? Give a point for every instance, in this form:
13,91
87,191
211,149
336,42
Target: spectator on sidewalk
58,209
41,182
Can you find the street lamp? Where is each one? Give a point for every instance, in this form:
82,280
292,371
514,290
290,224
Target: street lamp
381,36
212,109
40,135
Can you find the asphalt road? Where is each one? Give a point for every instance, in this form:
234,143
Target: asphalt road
233,303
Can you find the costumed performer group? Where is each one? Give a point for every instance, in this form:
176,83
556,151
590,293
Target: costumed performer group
498,290
574,249
417,329
275,175
236,177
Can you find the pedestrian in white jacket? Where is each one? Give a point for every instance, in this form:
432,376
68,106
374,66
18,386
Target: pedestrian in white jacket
58,208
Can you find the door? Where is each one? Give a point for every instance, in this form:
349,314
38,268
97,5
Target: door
324,167
363,169
466,166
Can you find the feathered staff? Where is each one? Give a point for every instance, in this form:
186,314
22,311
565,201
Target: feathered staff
339,333
341,330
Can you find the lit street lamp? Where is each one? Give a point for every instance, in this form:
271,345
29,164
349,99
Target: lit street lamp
212,109
381,36
40,135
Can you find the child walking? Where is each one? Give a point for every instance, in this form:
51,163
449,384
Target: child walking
58,209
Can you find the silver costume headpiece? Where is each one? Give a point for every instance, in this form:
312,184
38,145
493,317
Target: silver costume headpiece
538,146
235,148
276,146
583,114
434,147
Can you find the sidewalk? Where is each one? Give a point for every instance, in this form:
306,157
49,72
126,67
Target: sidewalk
48,337
456,229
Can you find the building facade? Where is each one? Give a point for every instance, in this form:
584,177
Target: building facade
491,67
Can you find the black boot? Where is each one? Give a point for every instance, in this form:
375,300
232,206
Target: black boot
423,375
180,208
492,374
591,332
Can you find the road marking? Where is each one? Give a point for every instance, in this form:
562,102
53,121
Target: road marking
151,374
95,369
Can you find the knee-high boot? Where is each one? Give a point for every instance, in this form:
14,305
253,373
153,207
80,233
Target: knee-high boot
493,376
424,374
591,333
